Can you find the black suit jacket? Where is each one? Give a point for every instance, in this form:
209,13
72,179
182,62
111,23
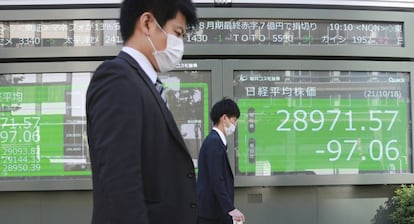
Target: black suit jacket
142,171
215,182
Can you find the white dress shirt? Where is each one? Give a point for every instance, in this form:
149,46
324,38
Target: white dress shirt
143,62
221,134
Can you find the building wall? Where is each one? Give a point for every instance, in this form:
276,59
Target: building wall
261,205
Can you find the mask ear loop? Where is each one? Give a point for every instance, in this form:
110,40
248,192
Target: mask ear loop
152,45
158,25
149,39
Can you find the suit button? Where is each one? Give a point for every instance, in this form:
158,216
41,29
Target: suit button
190,175
193,205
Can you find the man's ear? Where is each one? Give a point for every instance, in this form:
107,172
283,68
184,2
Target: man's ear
223,117
143,23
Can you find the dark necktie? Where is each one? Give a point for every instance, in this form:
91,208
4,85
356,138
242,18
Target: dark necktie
160,89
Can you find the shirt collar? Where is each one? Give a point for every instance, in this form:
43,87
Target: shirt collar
221,134
143,62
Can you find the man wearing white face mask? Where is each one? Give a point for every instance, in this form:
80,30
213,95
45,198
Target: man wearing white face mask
168,58
215,182
142,171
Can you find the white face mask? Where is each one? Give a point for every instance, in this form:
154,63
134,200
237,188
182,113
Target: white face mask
229,130
168,58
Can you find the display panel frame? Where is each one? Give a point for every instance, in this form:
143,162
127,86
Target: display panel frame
406,18
36,183
293,179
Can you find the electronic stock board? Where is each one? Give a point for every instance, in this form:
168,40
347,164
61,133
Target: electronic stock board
345,118
318,120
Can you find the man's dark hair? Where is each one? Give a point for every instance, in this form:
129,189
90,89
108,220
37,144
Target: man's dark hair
225,106
163,10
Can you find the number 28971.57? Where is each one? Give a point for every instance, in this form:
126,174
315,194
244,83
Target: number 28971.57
316,120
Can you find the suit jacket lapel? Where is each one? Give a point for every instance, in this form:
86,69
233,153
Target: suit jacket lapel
166,112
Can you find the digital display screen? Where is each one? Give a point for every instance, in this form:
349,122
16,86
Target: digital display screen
60,33
43,123
322,122
292,32
289,32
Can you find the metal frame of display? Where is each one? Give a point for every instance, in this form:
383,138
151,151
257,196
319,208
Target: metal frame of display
369,3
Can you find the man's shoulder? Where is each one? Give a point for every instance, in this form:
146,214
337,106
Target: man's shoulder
119,66
213,135
213,138
116,61
108,67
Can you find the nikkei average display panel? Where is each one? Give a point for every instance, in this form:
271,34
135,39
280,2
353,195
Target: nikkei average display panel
321,122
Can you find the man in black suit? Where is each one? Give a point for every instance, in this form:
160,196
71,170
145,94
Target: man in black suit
142,171
215,182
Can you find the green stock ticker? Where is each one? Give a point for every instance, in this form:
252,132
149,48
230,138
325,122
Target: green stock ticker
319,136
37,136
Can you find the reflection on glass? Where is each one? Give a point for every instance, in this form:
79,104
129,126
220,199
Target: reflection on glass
188,97
23,34
57,33
82,33
54,33
110,33
322,122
